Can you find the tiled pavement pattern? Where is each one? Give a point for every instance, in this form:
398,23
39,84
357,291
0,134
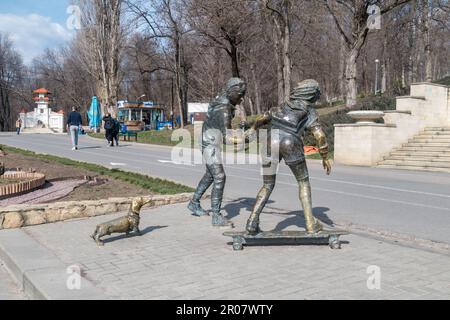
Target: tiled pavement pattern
52,191
183,257
8,289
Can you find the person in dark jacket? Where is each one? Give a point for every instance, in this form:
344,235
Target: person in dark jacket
109,129
74,124
117,129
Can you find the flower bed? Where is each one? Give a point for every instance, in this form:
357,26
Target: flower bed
27,182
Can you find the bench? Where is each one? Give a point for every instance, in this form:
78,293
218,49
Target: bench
128,135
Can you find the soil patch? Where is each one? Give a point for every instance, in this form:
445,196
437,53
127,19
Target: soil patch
55,171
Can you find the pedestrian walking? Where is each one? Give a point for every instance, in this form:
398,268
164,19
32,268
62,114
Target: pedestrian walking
74,124
117,129
18,125
109,129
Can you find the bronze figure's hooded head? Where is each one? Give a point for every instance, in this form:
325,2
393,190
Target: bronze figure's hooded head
235,91
307,90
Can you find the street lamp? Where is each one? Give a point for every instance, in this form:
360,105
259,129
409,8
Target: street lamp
140,97
376,75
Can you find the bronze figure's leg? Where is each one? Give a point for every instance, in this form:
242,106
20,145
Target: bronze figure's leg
96,237
204,184
301,174
94,234
261,201
218,173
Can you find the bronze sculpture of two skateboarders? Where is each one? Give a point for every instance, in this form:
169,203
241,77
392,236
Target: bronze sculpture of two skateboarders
286,126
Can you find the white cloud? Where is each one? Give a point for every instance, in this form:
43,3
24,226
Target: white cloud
33,33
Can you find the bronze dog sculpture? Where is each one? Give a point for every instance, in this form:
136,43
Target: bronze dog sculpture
127,224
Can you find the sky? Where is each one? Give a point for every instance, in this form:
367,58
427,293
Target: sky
34,25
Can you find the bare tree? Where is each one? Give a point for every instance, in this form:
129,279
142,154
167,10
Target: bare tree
280,15
357,13
11,68
226,24
100,46
59,71
164,21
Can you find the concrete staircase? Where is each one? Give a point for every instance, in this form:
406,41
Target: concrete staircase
428,151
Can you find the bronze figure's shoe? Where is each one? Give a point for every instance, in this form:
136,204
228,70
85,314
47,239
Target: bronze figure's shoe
218,220
253,227
315,227
197,209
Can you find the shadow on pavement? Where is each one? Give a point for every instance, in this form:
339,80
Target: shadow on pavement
124,236
95,147
234,208
298,220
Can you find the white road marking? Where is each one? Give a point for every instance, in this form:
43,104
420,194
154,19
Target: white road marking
177,163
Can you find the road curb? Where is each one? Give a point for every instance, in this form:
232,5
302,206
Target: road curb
38,272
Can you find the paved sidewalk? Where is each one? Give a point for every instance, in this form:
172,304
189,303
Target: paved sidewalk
183,257
8,289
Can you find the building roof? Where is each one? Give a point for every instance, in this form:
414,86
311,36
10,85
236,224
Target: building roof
138,105
42,91
41,99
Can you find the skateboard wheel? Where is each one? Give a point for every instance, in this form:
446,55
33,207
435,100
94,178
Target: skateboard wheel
238,247
335,243
237,244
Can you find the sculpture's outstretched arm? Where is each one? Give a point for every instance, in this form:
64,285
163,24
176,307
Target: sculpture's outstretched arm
262,120
250,134
235,138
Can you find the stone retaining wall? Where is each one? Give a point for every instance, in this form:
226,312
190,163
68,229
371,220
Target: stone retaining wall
31,181
17,216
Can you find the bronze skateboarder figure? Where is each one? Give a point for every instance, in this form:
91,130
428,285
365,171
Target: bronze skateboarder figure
291,120
215,133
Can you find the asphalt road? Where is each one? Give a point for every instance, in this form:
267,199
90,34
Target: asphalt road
407,202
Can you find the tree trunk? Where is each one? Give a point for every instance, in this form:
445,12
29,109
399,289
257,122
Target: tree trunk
280,68
178,79
282,43
365,79
5,110
427,41
257,90
251,104
342,60
287,52
350,76
184,91
234,61
352,67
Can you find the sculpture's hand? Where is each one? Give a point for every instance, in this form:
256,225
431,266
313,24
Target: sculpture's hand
261,120
244,125
327,165
250,135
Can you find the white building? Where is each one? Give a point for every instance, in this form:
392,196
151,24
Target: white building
197,112
42,119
